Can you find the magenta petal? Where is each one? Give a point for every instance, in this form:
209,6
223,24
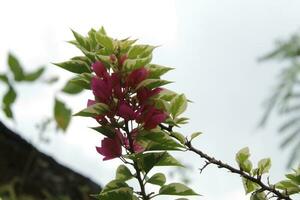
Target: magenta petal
155,120
110,148
90,102
126,112
144,94
137,76
101,89
100,70
116,84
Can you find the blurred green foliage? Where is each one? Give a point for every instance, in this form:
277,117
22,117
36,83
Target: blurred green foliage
16,75
285,99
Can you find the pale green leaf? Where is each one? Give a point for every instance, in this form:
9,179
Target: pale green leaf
176,189
123,173
157,179
15,67
152,83
62,114
93,110
264,165
178,105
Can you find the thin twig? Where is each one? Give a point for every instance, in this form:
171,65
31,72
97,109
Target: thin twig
220,164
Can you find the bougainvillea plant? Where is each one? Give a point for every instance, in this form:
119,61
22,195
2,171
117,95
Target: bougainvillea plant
137,117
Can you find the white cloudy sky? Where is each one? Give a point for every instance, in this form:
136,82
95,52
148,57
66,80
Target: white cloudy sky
214,46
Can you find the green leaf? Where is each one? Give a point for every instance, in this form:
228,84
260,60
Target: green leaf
258,196
181,120
134,197
149,160
10,97
249,186
92,39
294,177
140,51
82,41
289,186
123,173
157,179
62,114
4,78
105,130
105,41
167,95
72,88
158,140
132,64
179,137
83,59
152,83
155,71
15,67
161,104
264,165
178,105
242,155
102,30
176,189
194,135
93,110
116,189
125,45
33,76
242,159
7,111
83,80
75,66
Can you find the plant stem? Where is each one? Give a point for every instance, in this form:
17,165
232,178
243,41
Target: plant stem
135,165
220,164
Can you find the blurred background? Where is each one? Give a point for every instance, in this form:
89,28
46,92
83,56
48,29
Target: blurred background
216,48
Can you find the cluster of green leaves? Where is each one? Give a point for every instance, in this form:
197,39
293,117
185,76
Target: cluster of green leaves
264,165
285,98
291,185
286,187
98,46
16,74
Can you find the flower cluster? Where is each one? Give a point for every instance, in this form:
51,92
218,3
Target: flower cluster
128,103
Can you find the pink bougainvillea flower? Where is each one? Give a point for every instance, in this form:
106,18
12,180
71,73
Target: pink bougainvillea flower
100,70
102,89
116,84
144,94
137,76
151,117
110,148
137,148
126,112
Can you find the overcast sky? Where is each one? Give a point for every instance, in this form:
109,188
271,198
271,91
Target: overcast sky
214,46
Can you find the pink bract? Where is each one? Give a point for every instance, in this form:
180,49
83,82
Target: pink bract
102,89
126,112
100,69
110,148
137,76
